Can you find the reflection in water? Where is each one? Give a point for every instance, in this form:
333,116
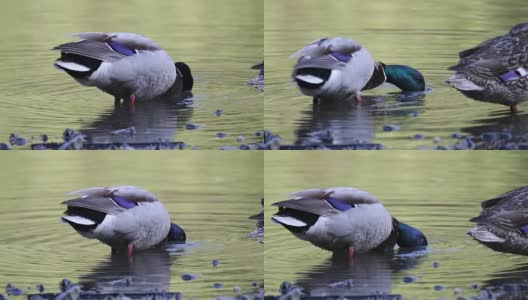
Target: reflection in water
153,121
366,274
338,122
500,122
147,271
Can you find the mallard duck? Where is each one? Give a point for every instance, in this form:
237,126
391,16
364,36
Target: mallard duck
126,218
503,223
126,65
495,71
340,68
344,219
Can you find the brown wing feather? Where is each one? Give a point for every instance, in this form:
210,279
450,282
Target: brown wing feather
314,206
92,49
102,204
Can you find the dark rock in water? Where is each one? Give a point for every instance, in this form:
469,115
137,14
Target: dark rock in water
418,136
44,137
215,263
437,140
258,133
438,288
237,289
65,284
221,135
40,288
240,139
2,297
191,126
218,285
390,127
255,284
436,264
409,279
456,135
16,140
188,277
178,296
15,292
475,286
219,112
4,147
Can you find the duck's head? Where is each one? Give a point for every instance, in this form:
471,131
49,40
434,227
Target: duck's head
405,78
176,234
186,74
410,237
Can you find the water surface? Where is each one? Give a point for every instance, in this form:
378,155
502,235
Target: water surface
426,35
212,206
219,41
435,192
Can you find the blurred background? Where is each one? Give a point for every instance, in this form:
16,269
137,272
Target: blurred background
426,35
209,194
220,41
436,192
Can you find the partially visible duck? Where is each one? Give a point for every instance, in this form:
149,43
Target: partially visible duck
345,219
503,223
258,81
126,218
496,70
126,65
341,68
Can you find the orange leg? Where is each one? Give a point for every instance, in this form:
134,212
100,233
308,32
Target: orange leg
358,98
132,103
514,109
130,250
350,252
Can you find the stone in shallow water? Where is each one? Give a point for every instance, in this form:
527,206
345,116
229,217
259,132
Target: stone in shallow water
215,262
457,291
188,277
237,289
218,285
418,136
191,126
240,139
2,297
438,288
221,135
4,146
475,285
436,264
409,279
390,127
65,284
219,112
178,296
40,288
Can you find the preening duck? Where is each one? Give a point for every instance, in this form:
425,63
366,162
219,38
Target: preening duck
344,220
126,218
341,68
495,71
503,223
126,65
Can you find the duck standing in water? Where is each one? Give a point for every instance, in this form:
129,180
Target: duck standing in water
345,220
495,71
503,223
341,68
125,218
126,65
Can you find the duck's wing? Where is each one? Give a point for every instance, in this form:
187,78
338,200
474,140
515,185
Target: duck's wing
130,40
311,205
92,49
509,210
326,46
102,204
130,193
505,58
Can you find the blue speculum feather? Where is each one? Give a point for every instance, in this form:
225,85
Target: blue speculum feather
524,229
341,56
508,75
117,47
123,202
339,205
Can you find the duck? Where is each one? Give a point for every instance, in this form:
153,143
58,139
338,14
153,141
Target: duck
258,81
496,70
126,218
127,66
338,67
503,222
345,220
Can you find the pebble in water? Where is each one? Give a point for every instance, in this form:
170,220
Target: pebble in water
219,112
188,277
438,288
64,285
2,297
437,140
475,285
409,279
191,126
237,290
218,285
390,127
44,137
40,288
457,291
258,133
221,135
240,139
456,135
4,146
16,140
178,296
418,136
436,264
215,263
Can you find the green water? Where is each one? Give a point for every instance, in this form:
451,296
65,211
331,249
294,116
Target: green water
219,40
435,192
426,35
209,194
